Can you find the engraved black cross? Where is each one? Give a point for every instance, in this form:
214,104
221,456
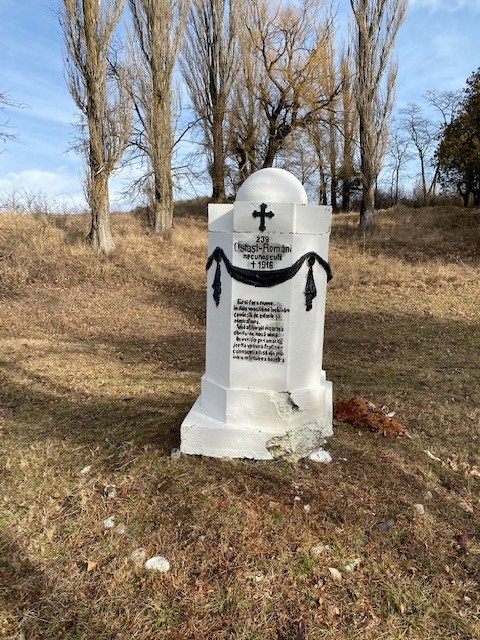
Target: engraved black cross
262,214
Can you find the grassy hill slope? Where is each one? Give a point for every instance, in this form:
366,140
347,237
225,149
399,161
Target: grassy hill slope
100,360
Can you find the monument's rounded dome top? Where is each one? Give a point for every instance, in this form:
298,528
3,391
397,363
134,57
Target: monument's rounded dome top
272,185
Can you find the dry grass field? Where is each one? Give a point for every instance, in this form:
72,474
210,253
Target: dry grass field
100,360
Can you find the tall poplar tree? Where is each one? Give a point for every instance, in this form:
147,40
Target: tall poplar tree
88,28
157,33
209,64
374,30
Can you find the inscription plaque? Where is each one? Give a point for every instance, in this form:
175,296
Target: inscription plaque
258,331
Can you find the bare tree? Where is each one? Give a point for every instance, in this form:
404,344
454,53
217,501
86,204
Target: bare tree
6,133
157,32
293,46
318,136
423,136
375,27
88,28
348,174
299,156
399,155
447,103
245,118
209,66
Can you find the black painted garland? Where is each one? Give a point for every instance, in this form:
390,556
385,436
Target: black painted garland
267,278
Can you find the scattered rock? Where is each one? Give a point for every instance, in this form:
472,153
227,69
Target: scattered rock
335,573
109,522
320,549
320,455
385,525
362,414
138,556
352,564
91,565
432,456
110,491
85,471
255,577
387,412
157,563
419,508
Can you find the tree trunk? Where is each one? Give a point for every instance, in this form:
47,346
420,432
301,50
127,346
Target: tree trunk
397,185
322,187
162,218
332,158
218,160
162,205
465,197
346,191
271,152
333,193
100,236
367,208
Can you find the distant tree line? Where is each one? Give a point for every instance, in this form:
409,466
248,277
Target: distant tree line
266,84
458,153
443,150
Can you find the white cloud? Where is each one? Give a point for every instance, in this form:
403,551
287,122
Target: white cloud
58,190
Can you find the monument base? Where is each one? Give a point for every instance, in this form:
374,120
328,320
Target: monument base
291,437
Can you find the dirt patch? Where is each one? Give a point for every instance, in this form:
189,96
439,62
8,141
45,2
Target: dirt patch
365,415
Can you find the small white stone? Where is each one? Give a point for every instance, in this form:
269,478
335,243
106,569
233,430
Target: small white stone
351,565
109,522
320,549
85,471
335,573
432,456
157,563
320,456
419,508
255,577
110,491
138,556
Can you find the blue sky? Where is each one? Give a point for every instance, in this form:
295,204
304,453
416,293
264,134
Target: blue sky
437,48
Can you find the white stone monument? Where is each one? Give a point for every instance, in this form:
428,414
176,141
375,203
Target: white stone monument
264,394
